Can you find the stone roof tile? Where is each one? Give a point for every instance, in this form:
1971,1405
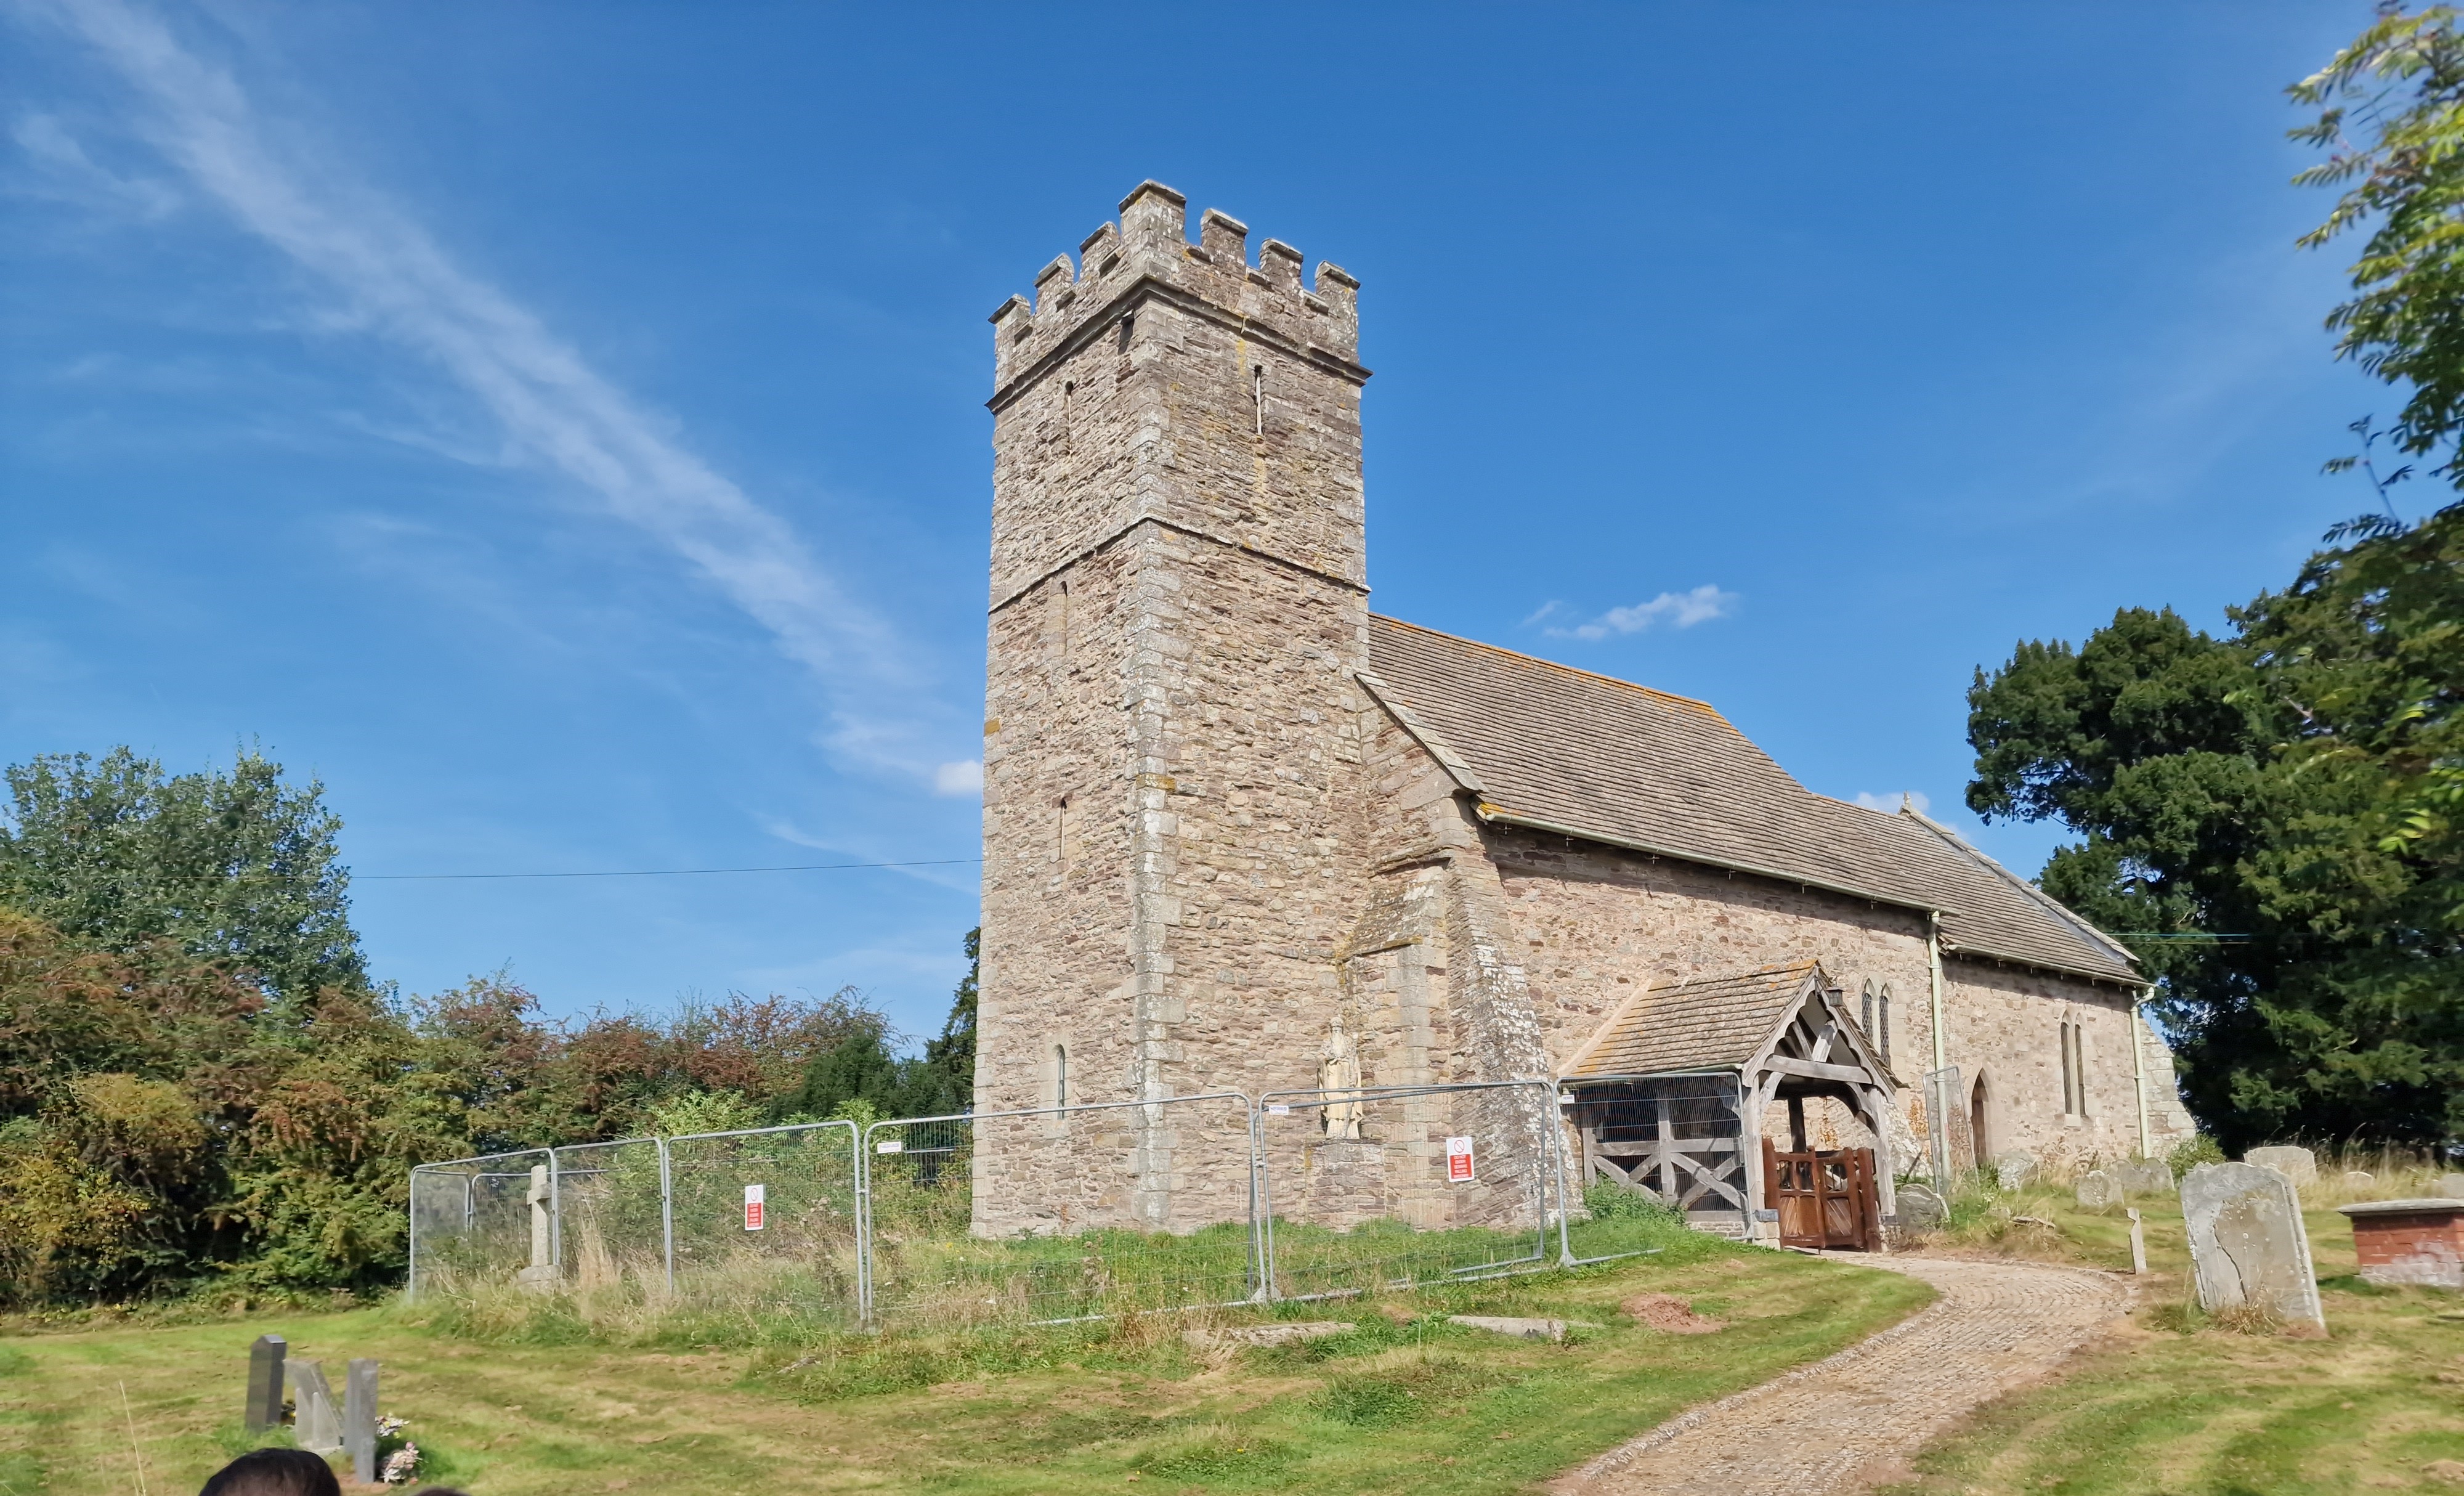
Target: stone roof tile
1598,756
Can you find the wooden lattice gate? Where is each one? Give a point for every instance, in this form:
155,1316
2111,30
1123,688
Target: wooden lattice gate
1825,1198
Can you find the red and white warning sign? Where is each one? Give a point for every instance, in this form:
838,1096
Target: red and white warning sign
1457,1160
752,1206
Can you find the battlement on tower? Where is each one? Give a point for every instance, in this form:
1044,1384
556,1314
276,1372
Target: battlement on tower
1320,321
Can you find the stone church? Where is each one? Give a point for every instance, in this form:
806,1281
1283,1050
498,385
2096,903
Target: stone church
1236,822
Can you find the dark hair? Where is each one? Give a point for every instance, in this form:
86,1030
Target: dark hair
274,1472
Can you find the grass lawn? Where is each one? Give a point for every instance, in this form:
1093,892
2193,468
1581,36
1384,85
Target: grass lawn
2171,1404
1403,1402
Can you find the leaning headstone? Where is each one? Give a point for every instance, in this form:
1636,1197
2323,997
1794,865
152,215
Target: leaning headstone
360,1418
2098,1191
2248,1243
2358,1179
265,1382
2451,1186
2298,1164
2015,1168
317,1425
541,1275
1920,1209
2137,1244
2144,1176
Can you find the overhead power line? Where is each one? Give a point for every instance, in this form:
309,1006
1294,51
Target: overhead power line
656,873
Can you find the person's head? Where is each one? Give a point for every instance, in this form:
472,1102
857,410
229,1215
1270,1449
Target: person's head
274,1472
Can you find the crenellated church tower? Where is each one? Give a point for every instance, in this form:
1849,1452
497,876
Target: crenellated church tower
1170,739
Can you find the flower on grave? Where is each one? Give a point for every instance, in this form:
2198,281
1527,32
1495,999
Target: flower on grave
400,1465
388,1426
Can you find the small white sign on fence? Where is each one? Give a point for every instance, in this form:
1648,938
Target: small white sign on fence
752,1206
1276,1109
889,1145
1459,1160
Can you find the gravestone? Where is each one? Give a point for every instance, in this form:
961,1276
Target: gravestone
1920,1209
2358,1179
317,1425
2451,1186
2144,1176
539,1277
2298,1164
265,1382
2248,1243
2098,1191
360,1418
2015,1168
1949,1149
2137,1244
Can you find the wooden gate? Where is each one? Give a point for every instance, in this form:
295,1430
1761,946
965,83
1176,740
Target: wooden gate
1825,1198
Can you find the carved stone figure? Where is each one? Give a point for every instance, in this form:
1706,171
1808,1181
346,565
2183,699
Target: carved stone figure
1338,1075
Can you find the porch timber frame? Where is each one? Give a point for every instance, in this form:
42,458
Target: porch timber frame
1804,1047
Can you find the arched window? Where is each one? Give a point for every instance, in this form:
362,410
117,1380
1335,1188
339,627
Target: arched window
2074,1071
1883,1023
1060,1076
1865,1018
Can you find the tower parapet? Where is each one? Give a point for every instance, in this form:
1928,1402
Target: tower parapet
1149,247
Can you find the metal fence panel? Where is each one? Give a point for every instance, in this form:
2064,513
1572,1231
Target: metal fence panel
608,1213
474,1224
1061,1213
1678,1138
1393,1187
768,1216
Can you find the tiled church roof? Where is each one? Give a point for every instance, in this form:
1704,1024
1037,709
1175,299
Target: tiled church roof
1710,1024
1567,750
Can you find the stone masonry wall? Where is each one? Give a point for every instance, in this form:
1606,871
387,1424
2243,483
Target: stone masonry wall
1595,922
1176,612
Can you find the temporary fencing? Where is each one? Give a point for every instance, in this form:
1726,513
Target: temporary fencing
473,1220
1053,1214
1061,1213
771,1213
1397,1186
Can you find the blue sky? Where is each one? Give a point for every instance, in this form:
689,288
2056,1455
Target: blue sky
559,427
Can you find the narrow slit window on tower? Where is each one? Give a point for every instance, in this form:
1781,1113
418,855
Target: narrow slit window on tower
1061,834
1129,327
1060,1075
1258,394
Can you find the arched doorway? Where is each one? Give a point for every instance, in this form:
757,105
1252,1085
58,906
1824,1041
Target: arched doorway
1980,1136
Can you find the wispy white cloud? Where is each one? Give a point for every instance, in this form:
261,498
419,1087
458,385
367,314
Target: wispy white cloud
1892,801
64,172
966,777
1678,609
392,281
1547,609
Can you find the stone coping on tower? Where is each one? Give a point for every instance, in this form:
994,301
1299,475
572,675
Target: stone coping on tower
1149,249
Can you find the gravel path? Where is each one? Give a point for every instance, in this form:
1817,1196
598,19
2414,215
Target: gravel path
1843,1423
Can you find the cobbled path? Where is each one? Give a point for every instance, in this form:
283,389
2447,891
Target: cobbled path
1843,1423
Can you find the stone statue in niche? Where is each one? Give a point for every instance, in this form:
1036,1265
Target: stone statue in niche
1338,1076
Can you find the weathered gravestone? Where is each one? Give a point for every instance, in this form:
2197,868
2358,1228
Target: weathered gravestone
2247,1244
2357,1179
360,1418
2298,1164
2015,1168
2144,1176
2451,1186
265,1382
1920,1209
2097,1190
2137,1244
317,1425
541,1275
